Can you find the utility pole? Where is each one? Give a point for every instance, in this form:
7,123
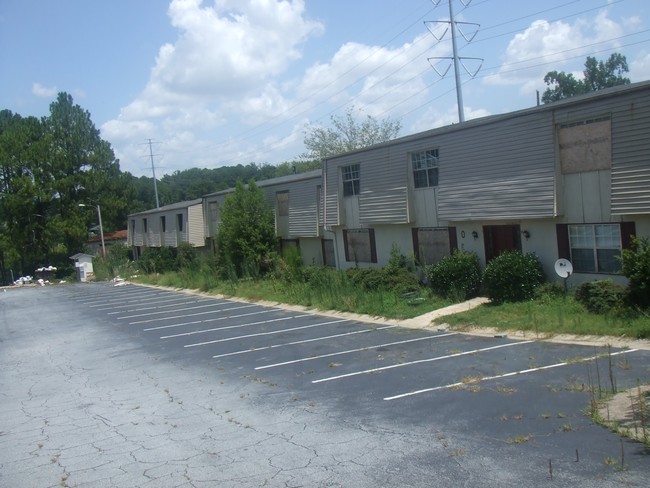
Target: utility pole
153,171
457,60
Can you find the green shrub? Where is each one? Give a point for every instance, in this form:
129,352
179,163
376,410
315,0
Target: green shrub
512,277
457,276
601,296
187,257
383,279
548,292
636,267
158,259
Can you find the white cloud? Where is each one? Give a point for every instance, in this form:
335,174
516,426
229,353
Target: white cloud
44,91
434,118
546,46
640,67
222,65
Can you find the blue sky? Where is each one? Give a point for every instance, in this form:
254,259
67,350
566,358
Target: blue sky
224,82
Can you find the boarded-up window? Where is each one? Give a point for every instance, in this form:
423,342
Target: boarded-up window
431,244
282,203
329,258
585,145
213,210
360,245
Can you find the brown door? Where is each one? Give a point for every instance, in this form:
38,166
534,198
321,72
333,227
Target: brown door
500,238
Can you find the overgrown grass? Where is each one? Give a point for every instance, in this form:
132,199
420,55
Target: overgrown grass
560,315
332,291
550,313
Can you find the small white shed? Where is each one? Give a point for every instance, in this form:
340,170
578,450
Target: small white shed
84,265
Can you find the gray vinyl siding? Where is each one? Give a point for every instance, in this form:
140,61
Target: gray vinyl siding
303,199
631,158
303,210
500,170
383,196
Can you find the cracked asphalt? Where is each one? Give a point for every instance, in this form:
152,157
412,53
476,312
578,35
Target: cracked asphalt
104,386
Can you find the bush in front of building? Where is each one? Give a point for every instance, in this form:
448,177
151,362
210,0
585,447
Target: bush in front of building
601,296
399,280
512,277
158,260
636,267
457,276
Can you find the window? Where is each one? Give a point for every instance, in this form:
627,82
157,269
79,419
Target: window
163,224
282,203
425,168
179,222
431,244
144,225
595,248
360,245
350,180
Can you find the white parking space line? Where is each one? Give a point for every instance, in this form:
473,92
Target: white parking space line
238,326
155,305
505,375
219,310
419,361
216,319
150,304
350,351
259,334
100,299
304,341
215,304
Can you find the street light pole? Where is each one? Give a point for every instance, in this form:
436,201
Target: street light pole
101,227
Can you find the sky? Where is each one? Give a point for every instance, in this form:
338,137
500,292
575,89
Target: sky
224,82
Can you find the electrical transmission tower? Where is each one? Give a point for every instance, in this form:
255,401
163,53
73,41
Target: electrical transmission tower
153,170
455,27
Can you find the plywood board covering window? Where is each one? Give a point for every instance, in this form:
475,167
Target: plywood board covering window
360,245
586,145
282,203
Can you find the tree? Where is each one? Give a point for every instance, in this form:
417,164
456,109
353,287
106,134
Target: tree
48,167
347,134
597,75
246,238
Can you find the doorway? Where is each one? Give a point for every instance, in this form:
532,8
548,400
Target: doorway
500,238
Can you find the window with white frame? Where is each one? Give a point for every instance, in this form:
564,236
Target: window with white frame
595,248
425,168
351,180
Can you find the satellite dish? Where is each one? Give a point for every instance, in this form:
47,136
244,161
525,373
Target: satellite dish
563,268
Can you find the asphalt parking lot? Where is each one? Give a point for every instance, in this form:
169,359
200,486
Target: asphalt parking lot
108,385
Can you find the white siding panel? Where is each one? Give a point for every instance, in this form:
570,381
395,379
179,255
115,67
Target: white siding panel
195,226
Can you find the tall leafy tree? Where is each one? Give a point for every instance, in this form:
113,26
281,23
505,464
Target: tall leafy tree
48,167
347,134
597,75
246,237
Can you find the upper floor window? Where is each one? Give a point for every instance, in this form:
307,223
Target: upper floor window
282,203
425,168
595,248
351,180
